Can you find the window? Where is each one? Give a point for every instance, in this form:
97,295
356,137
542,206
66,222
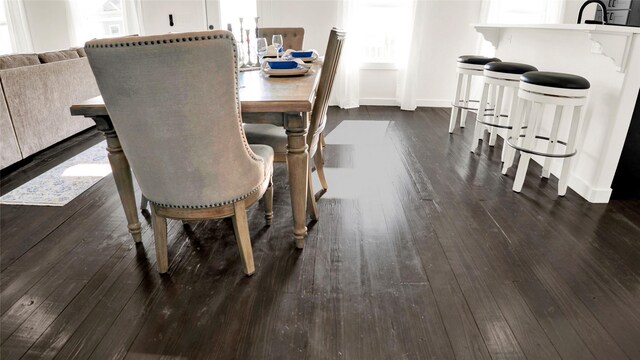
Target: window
5,38
383,27
232,10
97,19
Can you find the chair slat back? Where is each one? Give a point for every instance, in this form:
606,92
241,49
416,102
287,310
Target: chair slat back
173,100
327,77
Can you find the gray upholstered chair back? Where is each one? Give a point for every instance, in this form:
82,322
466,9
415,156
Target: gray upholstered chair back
329,69
293,37
173,100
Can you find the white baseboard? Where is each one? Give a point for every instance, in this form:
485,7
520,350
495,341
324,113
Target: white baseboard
392,102
439,103
434,103
593,195
378,102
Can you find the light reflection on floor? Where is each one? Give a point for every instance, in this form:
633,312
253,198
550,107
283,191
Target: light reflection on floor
358,132
87,170
367,148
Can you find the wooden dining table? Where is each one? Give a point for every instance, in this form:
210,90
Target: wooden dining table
281,101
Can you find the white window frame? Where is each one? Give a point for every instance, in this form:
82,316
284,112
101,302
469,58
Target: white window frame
5,23
385,63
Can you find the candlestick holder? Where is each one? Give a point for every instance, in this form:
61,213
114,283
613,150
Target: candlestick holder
257,36
249,61
244,63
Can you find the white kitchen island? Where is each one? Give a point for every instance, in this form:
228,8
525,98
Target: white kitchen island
609,57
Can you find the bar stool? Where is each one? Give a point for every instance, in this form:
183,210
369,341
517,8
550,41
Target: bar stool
468,66
538,89
498,76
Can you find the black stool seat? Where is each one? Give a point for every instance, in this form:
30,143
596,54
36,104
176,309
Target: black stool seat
476,60
556,80
509,67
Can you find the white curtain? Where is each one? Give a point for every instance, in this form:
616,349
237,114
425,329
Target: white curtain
18,27
346,88
408,68
132,14
555,11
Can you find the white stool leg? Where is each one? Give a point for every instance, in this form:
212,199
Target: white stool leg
523,165
456,101
512,108
571,147
492,104
496,115
522,110
467,91
477,132
553,137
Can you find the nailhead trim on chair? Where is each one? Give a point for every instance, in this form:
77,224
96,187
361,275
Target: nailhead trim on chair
227,202
250,152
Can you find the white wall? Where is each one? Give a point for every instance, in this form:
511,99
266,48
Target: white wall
448,35
188,15
48,23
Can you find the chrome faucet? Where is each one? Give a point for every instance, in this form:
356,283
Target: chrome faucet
603,7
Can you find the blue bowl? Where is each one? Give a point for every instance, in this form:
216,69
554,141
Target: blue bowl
301,54
283,64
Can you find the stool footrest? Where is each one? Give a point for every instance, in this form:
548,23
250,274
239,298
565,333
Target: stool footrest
533,152
454,104
496,125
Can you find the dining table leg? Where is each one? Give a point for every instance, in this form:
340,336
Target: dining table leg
122,175
297,126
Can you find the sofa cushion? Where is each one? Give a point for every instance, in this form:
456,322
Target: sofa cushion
54,56
18,60
80,51
39,98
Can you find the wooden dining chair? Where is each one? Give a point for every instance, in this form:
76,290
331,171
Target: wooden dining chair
173,100
276,137
293,37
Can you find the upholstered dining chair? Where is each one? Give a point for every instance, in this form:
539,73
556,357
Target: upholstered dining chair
276,137
173,101
293,37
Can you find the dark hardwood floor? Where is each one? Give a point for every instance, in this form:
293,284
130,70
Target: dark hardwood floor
422,251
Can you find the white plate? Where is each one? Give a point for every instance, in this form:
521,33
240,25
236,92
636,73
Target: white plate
300,70
287,55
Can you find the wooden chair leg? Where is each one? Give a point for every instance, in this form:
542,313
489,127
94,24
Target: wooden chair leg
268,203
320,150
241,228
144,202
312,207
319,162
160,236
322,142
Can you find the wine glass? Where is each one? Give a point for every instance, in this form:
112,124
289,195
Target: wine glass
277,43
261,48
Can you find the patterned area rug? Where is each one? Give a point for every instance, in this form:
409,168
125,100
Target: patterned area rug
63,183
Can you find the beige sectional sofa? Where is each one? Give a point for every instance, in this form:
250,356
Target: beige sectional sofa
36,93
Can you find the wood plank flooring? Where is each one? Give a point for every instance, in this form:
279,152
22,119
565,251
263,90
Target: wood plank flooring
422,251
